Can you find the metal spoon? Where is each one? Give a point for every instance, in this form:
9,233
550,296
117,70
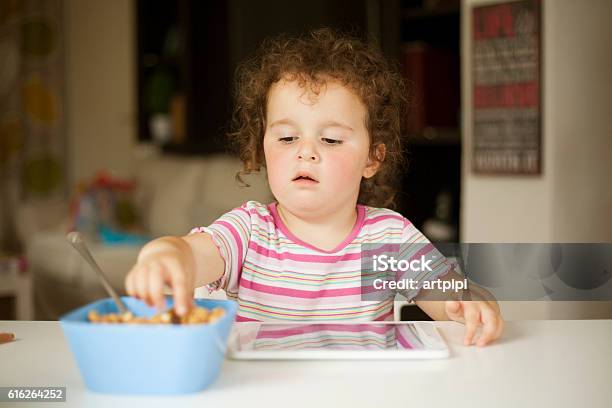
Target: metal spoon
76,240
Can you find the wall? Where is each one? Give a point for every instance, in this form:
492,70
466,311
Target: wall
101,86
580,85
572,200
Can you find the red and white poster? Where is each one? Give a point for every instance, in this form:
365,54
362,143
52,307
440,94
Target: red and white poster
506,88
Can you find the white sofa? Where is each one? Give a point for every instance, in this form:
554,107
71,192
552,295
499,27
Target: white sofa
173,194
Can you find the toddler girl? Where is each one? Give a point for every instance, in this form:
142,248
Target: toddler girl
321,113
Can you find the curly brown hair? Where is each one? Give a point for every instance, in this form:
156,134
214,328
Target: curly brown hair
313,59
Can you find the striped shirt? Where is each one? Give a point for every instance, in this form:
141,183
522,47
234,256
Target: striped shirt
273,275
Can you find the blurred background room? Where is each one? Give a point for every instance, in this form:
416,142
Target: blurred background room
113,115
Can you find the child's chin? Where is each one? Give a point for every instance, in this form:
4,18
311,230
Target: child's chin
299,205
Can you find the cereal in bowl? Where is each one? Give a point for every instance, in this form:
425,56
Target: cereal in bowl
196,315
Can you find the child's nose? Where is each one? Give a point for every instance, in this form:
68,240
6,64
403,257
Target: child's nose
310,157
307,152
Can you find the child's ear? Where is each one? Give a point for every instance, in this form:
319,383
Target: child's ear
374,162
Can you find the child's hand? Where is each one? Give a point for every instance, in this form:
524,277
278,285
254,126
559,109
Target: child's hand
473,314
165,260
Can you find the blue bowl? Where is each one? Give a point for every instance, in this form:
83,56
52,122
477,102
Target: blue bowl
147,359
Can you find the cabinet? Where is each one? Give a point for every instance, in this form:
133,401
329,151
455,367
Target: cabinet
430,59
183,78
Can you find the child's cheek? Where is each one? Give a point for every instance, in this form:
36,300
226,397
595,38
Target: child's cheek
278,164
344,168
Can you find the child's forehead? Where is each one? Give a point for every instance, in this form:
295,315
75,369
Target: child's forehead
311,90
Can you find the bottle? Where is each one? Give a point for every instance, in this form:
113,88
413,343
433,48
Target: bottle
440,227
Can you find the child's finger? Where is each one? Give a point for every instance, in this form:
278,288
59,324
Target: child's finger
156,290
156,272
132,278
472,319
129,281
490,323
179,287
177,281
500,327
141,282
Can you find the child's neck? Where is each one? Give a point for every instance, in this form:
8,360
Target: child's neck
323,231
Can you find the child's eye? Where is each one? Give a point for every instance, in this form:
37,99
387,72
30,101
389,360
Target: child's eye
287,139
331,141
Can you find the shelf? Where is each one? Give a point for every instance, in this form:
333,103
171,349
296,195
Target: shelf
421,13
435,136
151,60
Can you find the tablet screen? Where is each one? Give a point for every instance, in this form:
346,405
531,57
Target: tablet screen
267,337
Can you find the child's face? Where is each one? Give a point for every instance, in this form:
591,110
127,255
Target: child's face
323,135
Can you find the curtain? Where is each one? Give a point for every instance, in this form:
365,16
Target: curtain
32,131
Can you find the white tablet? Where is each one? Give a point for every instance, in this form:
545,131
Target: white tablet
306,341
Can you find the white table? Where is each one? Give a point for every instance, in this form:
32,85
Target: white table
557,363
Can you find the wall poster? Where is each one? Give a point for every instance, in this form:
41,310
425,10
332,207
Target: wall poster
506,40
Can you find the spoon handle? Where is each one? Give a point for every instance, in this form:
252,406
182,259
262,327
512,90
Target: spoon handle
76,240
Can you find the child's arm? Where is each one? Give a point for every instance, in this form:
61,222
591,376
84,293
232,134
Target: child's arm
482,309
183,263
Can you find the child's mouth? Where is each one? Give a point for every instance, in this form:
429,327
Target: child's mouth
304,180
